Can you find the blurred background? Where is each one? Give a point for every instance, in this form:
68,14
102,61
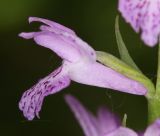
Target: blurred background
23,63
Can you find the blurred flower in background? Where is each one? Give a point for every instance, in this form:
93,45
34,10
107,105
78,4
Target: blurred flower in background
144,16
105,123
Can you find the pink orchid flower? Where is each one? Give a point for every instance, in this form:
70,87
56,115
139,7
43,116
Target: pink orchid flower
105,123
79,64
144,16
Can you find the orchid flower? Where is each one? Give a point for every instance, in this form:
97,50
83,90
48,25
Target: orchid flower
79,64
105,123
143,15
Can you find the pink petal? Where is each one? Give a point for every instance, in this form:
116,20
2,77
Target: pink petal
96,74
32,99
71,44
27,35
122,131
63,46
85,118
107,121
143,15
154,129
86,49
58,28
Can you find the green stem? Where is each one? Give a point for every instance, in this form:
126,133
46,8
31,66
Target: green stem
154,99
158,73
153,109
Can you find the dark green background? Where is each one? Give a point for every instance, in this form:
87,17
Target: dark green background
23,63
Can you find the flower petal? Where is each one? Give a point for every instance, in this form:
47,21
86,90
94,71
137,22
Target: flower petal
57,28
85,49
143,15
27,35
130,12
122,131
62,30
85,118
64,47
68,48
32,99
154,129
96,74
64,35
107,121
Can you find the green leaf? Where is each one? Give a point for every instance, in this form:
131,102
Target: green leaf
124,54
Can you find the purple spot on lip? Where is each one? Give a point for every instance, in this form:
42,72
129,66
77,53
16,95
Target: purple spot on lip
52,87
49,86
46,82
60,82
24,95
30,92
39,92
33,96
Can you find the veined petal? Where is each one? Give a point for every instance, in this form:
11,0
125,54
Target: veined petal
32,99
154,129
143,15
84,117
96,74
122,131
107,121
